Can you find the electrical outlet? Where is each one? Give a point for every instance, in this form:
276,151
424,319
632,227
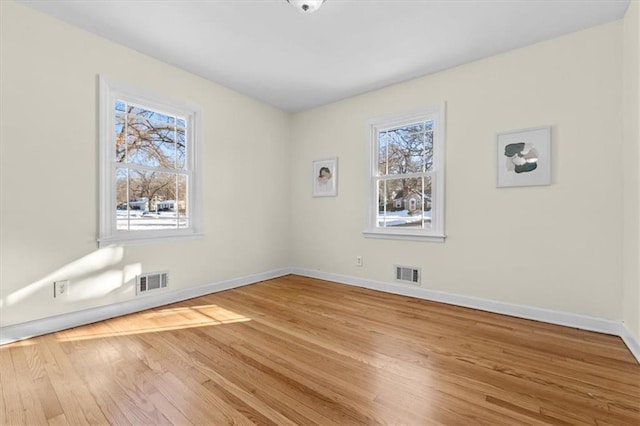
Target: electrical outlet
358,260
60,288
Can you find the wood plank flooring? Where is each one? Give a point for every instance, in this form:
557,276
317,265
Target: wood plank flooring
301,351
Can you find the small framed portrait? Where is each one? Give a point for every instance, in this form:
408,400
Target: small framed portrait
524,157
325,177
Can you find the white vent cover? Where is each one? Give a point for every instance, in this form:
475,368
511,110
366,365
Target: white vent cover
408,274
151,282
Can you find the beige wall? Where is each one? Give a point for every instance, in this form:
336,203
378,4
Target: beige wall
557,247
631,156
49,173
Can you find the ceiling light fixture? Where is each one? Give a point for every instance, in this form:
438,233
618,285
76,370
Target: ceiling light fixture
306,6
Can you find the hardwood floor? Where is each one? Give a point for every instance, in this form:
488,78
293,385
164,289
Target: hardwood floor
295,350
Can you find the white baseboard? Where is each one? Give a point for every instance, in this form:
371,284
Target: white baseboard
630,341
583,322
39,327
26,330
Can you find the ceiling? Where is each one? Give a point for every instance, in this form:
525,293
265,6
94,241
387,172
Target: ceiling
268,50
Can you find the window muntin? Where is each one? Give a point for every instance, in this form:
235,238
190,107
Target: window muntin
149,156
151,178
406,176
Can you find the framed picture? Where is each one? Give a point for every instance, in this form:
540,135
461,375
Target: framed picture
524,157
325,177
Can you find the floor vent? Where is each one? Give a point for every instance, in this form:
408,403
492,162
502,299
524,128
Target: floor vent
151,282
408,274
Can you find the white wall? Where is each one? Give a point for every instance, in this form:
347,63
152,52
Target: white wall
631,155
49,175
557,247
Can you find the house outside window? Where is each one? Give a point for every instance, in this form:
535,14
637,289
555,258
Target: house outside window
406,176
149,178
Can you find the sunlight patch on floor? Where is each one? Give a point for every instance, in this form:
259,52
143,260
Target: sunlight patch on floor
157,320
18,344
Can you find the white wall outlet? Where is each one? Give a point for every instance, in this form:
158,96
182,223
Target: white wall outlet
60,288
358,260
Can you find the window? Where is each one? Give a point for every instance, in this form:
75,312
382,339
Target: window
406,176
149,177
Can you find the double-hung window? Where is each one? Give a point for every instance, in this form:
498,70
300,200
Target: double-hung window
148,164
406,176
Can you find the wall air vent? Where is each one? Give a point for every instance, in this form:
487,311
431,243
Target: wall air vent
153,281
408,274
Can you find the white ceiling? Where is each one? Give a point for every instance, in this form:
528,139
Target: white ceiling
268,50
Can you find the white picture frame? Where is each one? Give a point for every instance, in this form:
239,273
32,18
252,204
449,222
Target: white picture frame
524,157
325,177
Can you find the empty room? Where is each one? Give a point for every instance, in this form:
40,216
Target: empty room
319,212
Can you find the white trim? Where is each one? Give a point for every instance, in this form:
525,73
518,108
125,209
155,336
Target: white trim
566,319
397,234
630,341
26,330
109,92
437,174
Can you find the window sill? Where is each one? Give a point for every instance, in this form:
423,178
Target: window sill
134,240
406,236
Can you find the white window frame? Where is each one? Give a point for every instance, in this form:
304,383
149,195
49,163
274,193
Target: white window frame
437,174
110,91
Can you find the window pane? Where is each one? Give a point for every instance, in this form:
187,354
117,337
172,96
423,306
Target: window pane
428,151
404,203
122,210
153,201
153,118
152,139
181,198
149,145
120,137
181,148
383,142
407,149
